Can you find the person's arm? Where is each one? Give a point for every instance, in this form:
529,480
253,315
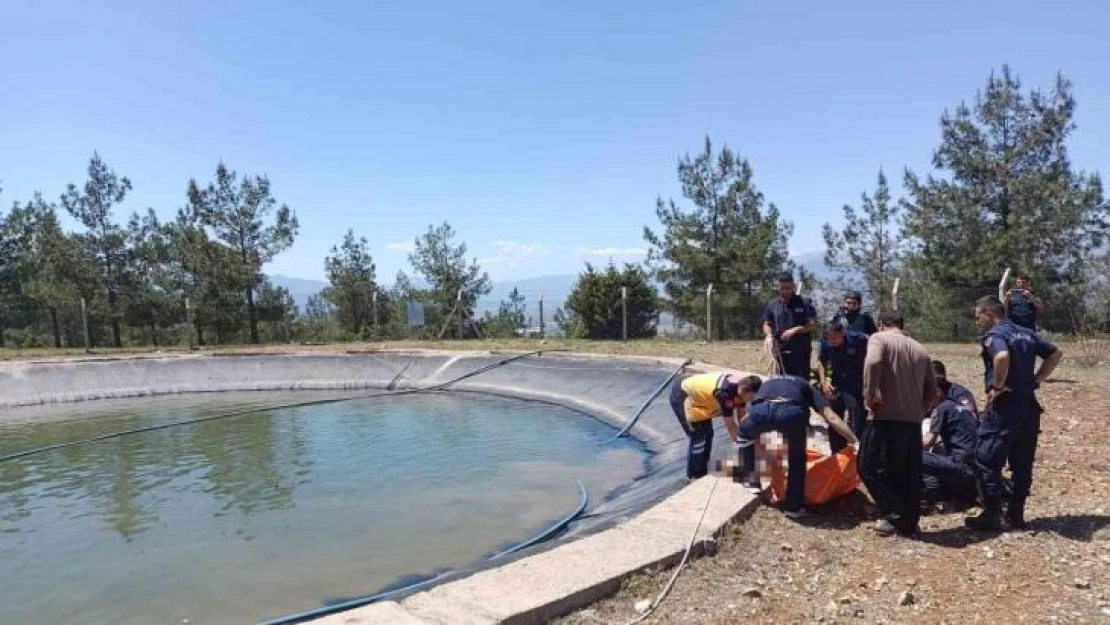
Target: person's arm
1001,372
935,427
733,430
838,424
768,322
1048,364
1038,303
872,367
826,386
930,398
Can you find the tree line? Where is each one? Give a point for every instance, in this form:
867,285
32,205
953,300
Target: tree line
1003,193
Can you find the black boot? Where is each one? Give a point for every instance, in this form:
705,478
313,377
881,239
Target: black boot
1015,514
989,520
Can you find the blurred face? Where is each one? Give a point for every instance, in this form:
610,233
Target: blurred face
984,319
1023,283
851,304
786,289
745,396
836,339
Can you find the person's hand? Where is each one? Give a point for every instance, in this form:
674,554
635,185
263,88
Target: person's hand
789,334
828,389
994,393
874,402
1027,293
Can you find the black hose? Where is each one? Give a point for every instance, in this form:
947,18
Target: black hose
558,526
647,402
239,413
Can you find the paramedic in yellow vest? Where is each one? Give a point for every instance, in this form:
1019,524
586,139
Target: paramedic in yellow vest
696,399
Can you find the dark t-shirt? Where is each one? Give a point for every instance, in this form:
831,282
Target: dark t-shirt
1021,310
962,396
860,322
791,388
1024,346
789,314
956,426
846,361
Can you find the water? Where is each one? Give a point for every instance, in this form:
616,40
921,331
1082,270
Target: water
243,519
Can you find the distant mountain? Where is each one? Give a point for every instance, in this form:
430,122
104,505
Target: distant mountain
299,288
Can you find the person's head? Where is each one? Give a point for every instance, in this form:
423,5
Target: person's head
852,301
835,332
941,374
988,312
1022,281
747,388
891,320
786,285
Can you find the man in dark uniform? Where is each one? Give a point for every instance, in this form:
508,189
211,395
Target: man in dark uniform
1022,304
956,392
787,325
1011,420
843,351
782,404
852,317
949,476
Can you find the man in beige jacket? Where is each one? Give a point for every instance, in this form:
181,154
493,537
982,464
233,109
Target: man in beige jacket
898,388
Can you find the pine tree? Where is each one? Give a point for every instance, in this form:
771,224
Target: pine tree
443,264
1006,197
596,303
353,282
730,238
867,247
237,213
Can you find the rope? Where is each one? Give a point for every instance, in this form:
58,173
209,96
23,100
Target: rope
239,413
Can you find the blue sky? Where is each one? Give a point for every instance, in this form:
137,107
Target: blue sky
543,131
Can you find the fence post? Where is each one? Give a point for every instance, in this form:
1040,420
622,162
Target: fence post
459,306
543,332
709,314
1002,285
374,299
188,324
894,293
624,314
85,325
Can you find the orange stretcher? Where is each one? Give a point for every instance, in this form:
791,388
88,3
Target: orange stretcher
827,477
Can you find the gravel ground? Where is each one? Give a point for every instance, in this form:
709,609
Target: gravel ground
833,569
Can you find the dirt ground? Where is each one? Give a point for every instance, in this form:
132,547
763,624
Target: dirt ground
834,569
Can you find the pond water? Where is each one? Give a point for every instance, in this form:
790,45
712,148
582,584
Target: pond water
252,517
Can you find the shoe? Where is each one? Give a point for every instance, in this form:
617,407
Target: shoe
1015,515
884,528
985,522
800,513
753,486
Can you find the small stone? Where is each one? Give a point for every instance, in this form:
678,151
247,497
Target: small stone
1106,611
643,605
844,600
1083,584
787,547
880,583
832,608
753,593
732,606
988,553
858,613
906,598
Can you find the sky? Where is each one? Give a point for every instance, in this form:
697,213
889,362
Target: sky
542,131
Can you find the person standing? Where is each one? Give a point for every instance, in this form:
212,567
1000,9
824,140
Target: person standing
1011,420
696,400
788,323
840,371
782,405
1022,304
852,315
899,388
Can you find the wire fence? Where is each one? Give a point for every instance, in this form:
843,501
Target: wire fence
170,321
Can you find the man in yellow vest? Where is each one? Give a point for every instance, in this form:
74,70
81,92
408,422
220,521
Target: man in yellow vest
696,399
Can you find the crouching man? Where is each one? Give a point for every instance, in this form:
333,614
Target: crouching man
697,399
950,475
782,404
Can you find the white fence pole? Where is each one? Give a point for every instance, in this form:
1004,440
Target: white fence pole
709,313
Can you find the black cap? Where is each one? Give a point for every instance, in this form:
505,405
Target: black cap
856,295
939,370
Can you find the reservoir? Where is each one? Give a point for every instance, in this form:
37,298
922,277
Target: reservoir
251,517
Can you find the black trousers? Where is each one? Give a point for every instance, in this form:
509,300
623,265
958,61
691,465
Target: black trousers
699,432
1008,431
890,465
791,420
847,406
795,360
947,478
